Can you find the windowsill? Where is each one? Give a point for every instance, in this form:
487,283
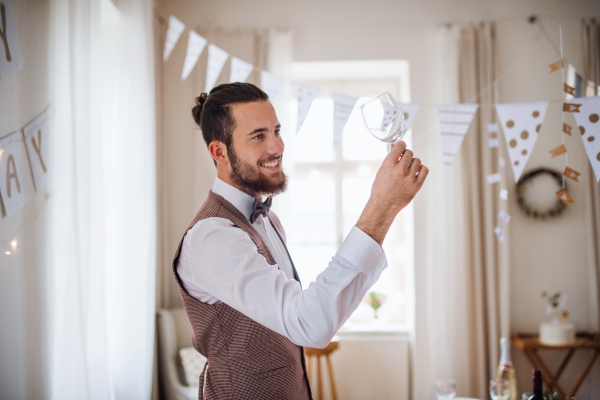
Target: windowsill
372,330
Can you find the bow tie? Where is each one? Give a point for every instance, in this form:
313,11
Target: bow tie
260,208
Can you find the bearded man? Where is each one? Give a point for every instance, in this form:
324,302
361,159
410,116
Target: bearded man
241,291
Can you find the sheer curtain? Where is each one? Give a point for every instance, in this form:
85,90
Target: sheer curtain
461,273
103,207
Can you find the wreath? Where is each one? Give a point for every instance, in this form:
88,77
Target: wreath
559,206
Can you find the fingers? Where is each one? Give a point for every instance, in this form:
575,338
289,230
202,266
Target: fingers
406,159
414,166
423,171
395,153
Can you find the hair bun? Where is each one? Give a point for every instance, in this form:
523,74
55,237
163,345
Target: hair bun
197,110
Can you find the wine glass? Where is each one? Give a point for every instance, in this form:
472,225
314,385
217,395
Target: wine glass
384,118
500,389
445,389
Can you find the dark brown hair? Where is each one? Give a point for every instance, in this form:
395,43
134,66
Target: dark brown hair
212,112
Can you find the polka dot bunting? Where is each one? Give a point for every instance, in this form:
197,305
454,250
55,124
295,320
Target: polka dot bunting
588,120
305,95
240,70
521,123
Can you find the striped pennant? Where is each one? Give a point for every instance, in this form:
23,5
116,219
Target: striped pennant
342,108
455,120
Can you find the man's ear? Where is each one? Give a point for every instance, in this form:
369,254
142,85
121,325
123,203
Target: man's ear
218,151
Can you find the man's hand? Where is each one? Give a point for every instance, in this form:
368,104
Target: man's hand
396,184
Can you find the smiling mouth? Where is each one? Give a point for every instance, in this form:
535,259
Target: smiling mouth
271,164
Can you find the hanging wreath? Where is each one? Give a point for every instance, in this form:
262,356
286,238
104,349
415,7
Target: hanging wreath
524,195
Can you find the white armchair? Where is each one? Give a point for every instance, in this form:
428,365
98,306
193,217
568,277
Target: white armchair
174,333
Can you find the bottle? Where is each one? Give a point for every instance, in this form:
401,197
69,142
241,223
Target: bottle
506,370
537,386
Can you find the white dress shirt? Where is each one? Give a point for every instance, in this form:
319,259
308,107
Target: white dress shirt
220,263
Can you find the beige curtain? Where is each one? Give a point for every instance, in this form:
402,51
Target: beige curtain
591,53
461,270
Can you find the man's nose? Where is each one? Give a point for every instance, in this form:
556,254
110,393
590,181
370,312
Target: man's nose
276,145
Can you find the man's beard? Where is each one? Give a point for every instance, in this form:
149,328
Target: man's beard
252,180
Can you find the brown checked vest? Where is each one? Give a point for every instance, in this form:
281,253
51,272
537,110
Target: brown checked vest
246,360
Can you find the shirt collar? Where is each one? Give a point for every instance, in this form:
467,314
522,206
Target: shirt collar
241,200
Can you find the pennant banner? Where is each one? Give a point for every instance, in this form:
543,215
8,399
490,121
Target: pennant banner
570,107
454,124
11,58
196,44
37,145
521,123
270,84
571,174
240,70
13,173
305,95
588,119
217,57
556,66
342,108
174,31
557,151
410,112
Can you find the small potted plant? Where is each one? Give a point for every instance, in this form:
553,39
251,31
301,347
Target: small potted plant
375,300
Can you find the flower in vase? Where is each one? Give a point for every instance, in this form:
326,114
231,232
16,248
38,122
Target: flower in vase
375,300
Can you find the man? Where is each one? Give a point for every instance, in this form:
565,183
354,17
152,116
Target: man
249,313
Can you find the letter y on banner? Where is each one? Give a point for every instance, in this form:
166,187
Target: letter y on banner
11,58
37,145
13,173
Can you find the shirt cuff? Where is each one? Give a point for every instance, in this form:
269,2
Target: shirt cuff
364,253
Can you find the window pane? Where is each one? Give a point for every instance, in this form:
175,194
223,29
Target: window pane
314,141
358,144
355,194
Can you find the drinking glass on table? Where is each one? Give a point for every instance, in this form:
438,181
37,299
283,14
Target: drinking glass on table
445,389
500,389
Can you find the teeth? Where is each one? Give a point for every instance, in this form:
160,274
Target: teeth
271,164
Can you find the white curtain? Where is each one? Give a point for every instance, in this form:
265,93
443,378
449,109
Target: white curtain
103,205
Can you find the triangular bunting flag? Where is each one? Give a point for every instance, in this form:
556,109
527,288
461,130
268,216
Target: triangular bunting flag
174,31
571,174
217,57
11,56
270,84
305,95
342,108
588,120
390,113
37,144
14,172
240,70
454,123
410,112
521,123
196,44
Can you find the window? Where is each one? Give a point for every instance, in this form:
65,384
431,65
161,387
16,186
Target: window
328,189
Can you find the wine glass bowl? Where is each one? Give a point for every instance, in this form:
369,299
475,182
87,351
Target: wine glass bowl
499,389
384,119
445,389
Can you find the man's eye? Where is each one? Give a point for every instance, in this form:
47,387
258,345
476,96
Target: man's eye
277,132
258,136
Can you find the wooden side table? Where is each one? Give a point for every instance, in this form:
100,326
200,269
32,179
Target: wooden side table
311,353
530,344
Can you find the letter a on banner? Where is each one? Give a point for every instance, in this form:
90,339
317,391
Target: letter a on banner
14,173
305,95
174,31
37,144
195,47
588,119
217,57
270,84
240,70
11,58
521,123
455,120
342,108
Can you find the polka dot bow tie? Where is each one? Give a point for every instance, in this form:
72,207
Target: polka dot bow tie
260,208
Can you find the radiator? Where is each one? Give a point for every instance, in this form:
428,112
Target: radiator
367,367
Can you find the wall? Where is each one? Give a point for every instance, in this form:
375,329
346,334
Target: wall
548,255
24,325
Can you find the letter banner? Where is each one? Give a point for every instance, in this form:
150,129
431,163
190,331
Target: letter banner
11,58
521,123
588,119
14,173
37,144
305,95
455,120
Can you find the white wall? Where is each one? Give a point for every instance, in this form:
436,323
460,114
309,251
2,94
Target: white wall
549,255
24,324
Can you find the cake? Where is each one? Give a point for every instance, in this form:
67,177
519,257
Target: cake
557,333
